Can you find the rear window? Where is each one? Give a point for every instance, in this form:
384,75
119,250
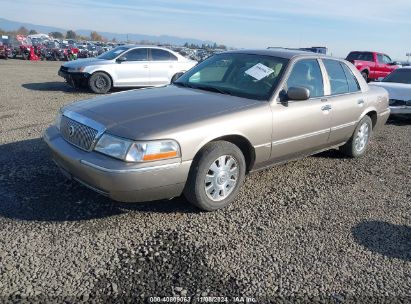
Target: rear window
363,56
162,55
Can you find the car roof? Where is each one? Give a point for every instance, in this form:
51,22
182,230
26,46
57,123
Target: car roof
279,52
130,46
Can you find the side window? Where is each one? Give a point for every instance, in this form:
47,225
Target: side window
336,74
380,58
369,57
353,84
137,55
387,59
173,58
307,73
160,55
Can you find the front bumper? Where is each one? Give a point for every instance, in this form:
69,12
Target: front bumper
73,77
121,181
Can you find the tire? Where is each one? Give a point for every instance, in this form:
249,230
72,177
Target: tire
357,145
100,83
210,157
365,75
176,76
25,56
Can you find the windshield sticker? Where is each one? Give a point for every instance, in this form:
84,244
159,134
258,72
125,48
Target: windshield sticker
259,71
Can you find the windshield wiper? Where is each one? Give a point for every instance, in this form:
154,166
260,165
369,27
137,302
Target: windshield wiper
183,84
213,89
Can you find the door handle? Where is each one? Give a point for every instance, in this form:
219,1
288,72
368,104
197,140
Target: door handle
145,66
326,108
360,102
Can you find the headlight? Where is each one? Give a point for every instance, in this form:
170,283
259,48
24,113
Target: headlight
80,69
131,151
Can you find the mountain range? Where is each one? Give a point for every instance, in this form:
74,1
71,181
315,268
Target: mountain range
9,25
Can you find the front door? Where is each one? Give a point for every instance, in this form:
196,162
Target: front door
301,127
134,70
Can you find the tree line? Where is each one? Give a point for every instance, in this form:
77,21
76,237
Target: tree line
70,34
94,36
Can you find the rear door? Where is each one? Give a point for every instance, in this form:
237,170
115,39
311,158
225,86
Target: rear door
162,66
135,70
346,100
301,127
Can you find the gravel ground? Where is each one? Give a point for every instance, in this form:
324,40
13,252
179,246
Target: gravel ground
324,228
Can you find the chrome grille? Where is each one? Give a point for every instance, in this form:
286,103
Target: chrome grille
76,133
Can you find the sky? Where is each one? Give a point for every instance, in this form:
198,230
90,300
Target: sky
341,25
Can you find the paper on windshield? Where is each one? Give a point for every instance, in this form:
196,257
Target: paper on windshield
259,71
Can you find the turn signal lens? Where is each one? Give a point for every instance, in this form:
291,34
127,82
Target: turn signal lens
151,151
158,156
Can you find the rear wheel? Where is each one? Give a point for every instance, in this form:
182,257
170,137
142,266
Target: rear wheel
358,143
100,83
365,75
216,176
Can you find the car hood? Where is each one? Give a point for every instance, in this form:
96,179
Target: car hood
85,62
142,113
399,91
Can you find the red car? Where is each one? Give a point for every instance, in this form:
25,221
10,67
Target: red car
5,48
372,65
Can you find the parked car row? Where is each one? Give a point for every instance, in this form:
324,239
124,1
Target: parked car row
40,46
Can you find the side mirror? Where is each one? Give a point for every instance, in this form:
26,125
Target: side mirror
298,93
121,59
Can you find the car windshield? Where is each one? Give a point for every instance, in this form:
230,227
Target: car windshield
399,76
110,55
244,75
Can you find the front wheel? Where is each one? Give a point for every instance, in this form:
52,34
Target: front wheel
216,176
100,83
358,143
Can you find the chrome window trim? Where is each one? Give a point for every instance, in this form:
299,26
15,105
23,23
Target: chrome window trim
131,170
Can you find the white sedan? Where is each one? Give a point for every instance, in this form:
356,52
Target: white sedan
126,66
398,85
